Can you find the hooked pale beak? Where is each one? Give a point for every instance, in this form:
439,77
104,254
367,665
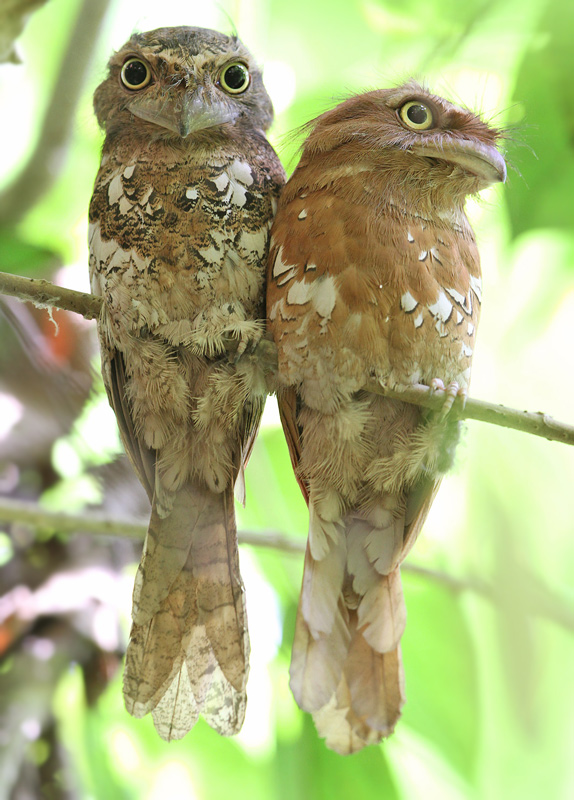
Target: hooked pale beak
186,113
482,160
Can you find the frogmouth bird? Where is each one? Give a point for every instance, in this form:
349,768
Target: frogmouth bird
373,272
179,227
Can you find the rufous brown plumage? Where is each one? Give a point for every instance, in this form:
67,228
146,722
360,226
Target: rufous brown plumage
373,273
179,226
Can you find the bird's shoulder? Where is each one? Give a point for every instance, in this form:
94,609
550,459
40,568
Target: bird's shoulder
377,282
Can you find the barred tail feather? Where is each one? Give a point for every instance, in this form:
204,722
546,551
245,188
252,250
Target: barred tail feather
189,648
346,666
317,659
354,692
367,703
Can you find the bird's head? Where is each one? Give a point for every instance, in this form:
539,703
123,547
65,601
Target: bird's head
422,141
181,82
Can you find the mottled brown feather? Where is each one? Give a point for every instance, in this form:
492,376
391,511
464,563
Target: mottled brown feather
179,228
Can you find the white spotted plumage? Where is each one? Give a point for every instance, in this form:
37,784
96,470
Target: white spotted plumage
377,209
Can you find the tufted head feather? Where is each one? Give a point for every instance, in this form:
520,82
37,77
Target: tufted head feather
450,146
183,92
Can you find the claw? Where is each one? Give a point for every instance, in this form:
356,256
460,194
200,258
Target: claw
436,385
247,334
241,348
247,343
453,393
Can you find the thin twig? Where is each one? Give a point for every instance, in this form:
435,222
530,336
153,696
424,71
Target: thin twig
38,518
539,603
536,423
101,525
46,295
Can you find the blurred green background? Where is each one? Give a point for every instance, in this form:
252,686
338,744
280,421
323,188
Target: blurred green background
488,655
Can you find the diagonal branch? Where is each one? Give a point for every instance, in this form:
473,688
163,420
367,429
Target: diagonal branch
46,295
539,603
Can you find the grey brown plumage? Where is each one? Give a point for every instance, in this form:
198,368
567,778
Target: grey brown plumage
373,272
179,225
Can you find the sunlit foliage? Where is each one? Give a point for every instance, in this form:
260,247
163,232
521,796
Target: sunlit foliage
490,697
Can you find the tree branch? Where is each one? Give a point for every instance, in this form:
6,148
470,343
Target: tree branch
537,423
101,525
542,602
46,295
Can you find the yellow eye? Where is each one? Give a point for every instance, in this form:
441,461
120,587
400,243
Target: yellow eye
135,74
416,115
235,78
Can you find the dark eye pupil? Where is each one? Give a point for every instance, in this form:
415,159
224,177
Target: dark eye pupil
235,76
135,73
417,114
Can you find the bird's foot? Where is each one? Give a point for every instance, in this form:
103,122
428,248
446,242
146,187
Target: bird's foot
455,396
247,334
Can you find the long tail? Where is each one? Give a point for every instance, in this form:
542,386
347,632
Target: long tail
346,665
189,647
